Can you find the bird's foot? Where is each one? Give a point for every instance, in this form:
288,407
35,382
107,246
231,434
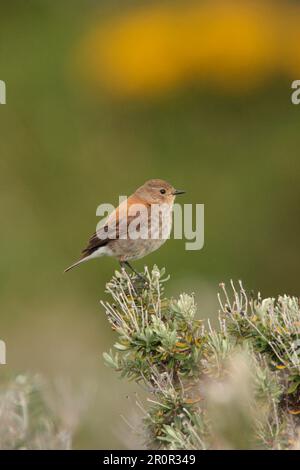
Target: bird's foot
140,276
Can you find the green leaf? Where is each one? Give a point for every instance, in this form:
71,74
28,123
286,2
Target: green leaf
294,385
110,360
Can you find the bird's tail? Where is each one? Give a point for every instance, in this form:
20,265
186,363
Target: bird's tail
82,260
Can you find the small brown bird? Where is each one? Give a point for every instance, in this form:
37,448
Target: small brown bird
140,225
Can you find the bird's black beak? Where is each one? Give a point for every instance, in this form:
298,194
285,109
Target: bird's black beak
178,191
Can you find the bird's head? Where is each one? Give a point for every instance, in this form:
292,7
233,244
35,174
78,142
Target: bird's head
157,191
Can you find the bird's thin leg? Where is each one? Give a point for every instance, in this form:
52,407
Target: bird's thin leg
123,265
133,270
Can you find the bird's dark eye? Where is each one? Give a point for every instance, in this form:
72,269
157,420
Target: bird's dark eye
162,191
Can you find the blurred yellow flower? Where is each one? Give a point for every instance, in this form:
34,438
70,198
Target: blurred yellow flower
234,45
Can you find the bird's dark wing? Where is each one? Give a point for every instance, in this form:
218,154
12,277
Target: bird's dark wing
115,228
93,244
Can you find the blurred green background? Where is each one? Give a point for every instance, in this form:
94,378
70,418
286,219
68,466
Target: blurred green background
223,129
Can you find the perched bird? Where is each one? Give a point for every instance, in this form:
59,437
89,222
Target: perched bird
140,225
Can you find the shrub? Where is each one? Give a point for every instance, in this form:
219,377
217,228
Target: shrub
27,420
236,386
